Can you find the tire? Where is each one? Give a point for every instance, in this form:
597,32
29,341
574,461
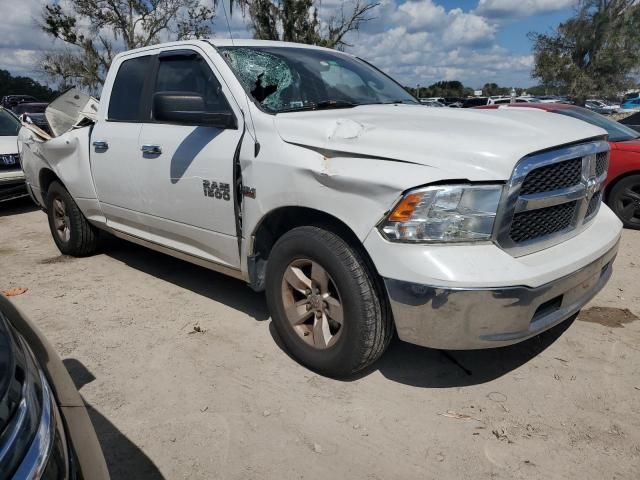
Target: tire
624,200
71,231
348,292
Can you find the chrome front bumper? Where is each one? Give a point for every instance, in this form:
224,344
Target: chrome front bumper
461,318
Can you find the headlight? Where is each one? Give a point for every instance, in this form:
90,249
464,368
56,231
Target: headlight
9,160
444,213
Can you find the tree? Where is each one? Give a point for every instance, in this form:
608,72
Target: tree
298,21
10,85
596,52
491,89
95,30
445,88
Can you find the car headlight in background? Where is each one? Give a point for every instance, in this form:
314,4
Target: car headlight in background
9,160
444,213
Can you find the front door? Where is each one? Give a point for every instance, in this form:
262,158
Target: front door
188,167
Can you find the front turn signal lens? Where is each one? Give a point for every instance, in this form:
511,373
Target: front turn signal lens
406,207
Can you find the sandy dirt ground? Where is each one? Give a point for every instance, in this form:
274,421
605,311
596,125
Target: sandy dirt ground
228,403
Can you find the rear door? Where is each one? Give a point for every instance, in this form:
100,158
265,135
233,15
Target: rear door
115,148
188,168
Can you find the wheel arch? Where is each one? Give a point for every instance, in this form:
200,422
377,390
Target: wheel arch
610,186
45,178
283,219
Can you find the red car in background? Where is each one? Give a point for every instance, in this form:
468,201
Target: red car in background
622,187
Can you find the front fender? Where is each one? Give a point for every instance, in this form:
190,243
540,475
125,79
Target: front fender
356,190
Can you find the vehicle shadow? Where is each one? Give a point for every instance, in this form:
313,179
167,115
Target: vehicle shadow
124,459
17,206
215,286
430,368
402,363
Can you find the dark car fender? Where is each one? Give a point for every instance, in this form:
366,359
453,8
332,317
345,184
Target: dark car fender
81,437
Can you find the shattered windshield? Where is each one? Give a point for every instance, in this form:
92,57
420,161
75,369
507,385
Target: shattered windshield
283,79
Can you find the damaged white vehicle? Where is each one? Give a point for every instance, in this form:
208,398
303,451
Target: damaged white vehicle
310,174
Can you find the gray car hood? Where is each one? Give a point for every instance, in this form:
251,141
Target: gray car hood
472,144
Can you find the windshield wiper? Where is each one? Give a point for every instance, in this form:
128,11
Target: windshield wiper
323,105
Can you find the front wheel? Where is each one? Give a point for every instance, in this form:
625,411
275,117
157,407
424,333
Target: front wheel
624,200
325,304
71,231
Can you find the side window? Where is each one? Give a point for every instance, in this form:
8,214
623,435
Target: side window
124,103
191,74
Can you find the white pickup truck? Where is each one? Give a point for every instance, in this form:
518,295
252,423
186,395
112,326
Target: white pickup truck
310,174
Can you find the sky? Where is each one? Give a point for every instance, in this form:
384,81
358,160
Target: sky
415,41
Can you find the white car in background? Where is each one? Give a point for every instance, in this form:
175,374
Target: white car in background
504,100
12,183
606,107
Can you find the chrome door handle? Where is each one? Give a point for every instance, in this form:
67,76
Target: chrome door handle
151,149
101,146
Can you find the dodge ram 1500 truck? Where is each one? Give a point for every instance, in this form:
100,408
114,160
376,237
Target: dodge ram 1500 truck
310,174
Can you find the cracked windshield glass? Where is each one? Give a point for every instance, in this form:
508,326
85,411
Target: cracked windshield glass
290,79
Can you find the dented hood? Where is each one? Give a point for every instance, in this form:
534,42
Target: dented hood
466,143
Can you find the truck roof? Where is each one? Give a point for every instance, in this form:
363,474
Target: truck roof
227,42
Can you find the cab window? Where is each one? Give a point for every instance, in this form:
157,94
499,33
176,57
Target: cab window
191,74
124,103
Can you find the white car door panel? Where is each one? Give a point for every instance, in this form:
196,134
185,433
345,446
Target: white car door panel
188,184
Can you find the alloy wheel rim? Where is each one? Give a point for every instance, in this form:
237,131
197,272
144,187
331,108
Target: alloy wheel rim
629,204
61,220
312,303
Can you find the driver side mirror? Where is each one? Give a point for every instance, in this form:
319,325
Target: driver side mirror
188,108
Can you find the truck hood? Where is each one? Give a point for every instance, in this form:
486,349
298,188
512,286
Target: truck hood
468,144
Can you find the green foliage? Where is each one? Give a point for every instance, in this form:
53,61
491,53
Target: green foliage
539,90
491,89
445,88
597,52
96,30
455,89
10,85
298,21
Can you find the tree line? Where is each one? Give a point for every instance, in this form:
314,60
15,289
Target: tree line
595,52
455,89
19,85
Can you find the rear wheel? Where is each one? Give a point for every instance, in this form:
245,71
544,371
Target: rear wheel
325,304
624,200
71,231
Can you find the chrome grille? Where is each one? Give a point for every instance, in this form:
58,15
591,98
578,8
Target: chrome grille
553,177
602,162
594,203
541,222
551,197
